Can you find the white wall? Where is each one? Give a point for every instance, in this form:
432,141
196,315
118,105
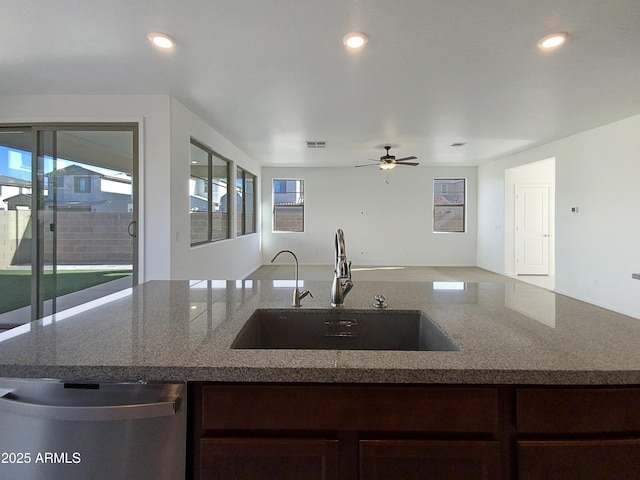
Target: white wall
165,130
386,216
226,259
598,248
152,114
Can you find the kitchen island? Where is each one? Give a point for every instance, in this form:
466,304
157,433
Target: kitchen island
544,386
509,333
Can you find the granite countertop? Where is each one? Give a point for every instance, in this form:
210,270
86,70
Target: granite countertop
510,333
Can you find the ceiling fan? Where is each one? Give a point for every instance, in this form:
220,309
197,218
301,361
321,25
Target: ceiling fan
387,162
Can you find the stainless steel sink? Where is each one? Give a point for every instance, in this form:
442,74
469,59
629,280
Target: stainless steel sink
407,330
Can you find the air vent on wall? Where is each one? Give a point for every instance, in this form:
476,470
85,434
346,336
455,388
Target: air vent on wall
316,144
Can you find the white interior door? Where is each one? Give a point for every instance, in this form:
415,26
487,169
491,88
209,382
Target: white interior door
532,230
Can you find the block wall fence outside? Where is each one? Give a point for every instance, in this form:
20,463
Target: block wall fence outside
84,238
15,237
289,219
200,226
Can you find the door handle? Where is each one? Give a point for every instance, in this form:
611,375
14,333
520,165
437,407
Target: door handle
132,228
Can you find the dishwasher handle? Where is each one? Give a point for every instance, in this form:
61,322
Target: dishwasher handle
167,405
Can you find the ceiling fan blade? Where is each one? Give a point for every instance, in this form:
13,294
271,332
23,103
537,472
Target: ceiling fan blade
369,165
412,164
406,158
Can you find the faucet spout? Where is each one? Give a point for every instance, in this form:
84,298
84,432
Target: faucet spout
342,282
297,294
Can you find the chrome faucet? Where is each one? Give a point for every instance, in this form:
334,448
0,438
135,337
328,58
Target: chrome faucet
297,294
342,283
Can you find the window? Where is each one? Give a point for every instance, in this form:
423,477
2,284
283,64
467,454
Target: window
288,205
246,202
208,185
449,197
81,184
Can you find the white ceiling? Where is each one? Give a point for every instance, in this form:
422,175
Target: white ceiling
272,74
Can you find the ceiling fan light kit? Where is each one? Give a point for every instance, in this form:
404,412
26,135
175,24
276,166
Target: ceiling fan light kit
388,161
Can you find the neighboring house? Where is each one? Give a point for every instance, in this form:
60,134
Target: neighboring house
450,191
198,204
10,188
199,194
75,188
288,192
21,201
223,203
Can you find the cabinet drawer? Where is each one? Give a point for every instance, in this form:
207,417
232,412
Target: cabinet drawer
578,410
282,459
580,459
419,460
362,408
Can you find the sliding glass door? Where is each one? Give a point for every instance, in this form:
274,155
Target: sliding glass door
68,216
16,240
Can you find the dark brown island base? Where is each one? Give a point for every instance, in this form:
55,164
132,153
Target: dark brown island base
384,432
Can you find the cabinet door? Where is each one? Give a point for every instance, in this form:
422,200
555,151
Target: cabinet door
257,459
353,408
580,459
432,460
578,410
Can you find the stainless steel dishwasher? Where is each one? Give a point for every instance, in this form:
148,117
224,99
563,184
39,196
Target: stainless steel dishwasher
52,429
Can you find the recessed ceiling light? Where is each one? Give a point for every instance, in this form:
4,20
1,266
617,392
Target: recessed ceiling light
355,40
552,41
162,40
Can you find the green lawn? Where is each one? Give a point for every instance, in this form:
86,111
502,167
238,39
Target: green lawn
15,285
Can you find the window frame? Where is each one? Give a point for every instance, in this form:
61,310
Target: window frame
439,192
300,192
81,184
208,188
241,217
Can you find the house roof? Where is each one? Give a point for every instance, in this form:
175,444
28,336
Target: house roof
14,182
74,170
21,198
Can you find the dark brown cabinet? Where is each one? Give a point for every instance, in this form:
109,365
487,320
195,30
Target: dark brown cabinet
348,432
581,459
384,432
564,410
422,460
586,433
256,459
